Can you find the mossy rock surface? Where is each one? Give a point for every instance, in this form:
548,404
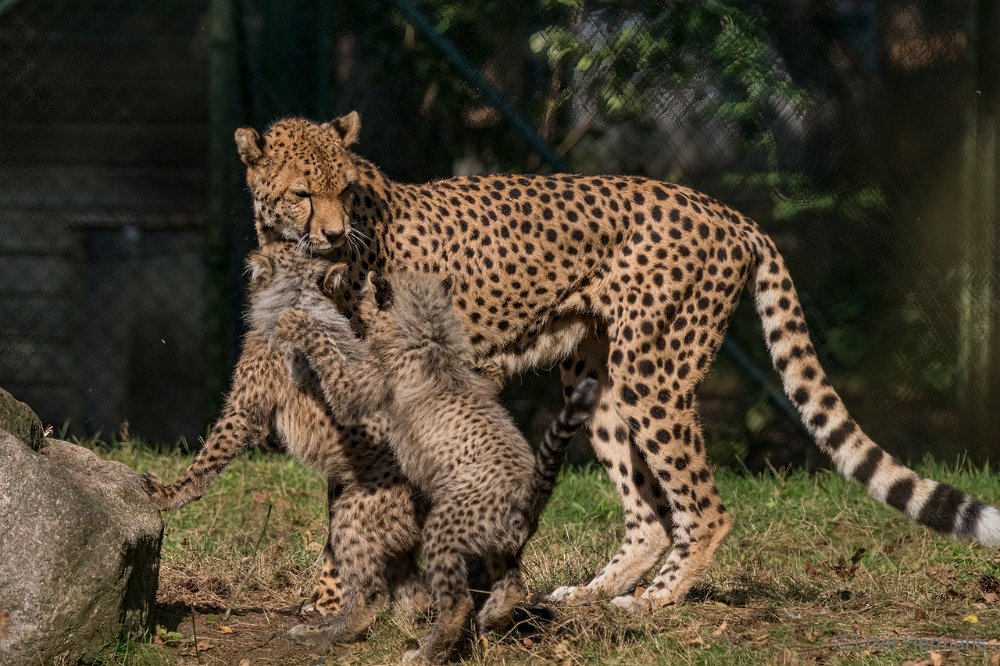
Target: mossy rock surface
18,419
79,553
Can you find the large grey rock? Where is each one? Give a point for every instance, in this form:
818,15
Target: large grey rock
79,553
18,419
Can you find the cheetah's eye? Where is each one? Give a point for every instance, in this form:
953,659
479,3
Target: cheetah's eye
300,192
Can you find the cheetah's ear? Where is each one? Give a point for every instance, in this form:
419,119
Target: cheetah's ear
348,128
249,144
382,290
332,279
261,268
448,286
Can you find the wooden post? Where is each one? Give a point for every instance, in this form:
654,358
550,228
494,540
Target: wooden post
980,216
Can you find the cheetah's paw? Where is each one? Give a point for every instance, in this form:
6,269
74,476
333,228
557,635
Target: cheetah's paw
561,594
573,595
631,603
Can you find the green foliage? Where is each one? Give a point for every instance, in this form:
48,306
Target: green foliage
132,653
627,54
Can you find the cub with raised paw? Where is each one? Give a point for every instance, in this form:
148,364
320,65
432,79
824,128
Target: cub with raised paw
375,516
452,437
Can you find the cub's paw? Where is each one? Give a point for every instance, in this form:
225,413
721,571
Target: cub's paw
307,634
291,324
155,490
414,657
344,627
166,498
151,484
413,600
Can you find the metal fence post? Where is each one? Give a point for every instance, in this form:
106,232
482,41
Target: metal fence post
223,85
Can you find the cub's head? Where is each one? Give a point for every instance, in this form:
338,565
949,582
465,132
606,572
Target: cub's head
301,177
282,276
411,313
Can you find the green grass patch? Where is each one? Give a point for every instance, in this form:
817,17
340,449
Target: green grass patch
814,571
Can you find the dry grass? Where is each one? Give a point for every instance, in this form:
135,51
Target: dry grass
813,572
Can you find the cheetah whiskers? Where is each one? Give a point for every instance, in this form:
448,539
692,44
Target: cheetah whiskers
356,245
363,235
302,245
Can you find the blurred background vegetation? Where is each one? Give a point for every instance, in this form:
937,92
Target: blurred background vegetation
861,134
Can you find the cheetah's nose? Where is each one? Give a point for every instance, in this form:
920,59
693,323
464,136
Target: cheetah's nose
333,237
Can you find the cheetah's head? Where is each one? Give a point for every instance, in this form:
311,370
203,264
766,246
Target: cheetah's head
301,177
282,276
411,313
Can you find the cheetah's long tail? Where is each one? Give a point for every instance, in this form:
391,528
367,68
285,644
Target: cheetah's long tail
856,456
551,454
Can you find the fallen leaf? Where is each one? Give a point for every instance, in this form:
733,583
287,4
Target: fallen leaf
244,662
259,496
204,645
314,547
226,629
564,652
721,628
4,624
970,619
933,659
527,642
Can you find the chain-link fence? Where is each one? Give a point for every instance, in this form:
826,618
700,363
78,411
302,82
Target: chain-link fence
861,134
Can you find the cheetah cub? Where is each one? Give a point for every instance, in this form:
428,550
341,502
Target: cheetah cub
374,512
451,436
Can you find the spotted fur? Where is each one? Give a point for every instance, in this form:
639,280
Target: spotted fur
451,436
374,516
628,280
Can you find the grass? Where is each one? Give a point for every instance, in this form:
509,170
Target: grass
813,572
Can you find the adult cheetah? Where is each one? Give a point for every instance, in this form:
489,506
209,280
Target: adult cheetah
628,280
375,516
452,437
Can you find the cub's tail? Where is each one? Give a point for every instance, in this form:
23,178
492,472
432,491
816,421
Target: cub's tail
856,456
552,452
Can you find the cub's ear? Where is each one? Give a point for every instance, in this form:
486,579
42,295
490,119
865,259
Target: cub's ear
382,290
348,128
249,144
261,268
448,286
332,279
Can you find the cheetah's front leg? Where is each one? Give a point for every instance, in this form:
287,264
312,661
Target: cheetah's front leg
246,417
229,436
